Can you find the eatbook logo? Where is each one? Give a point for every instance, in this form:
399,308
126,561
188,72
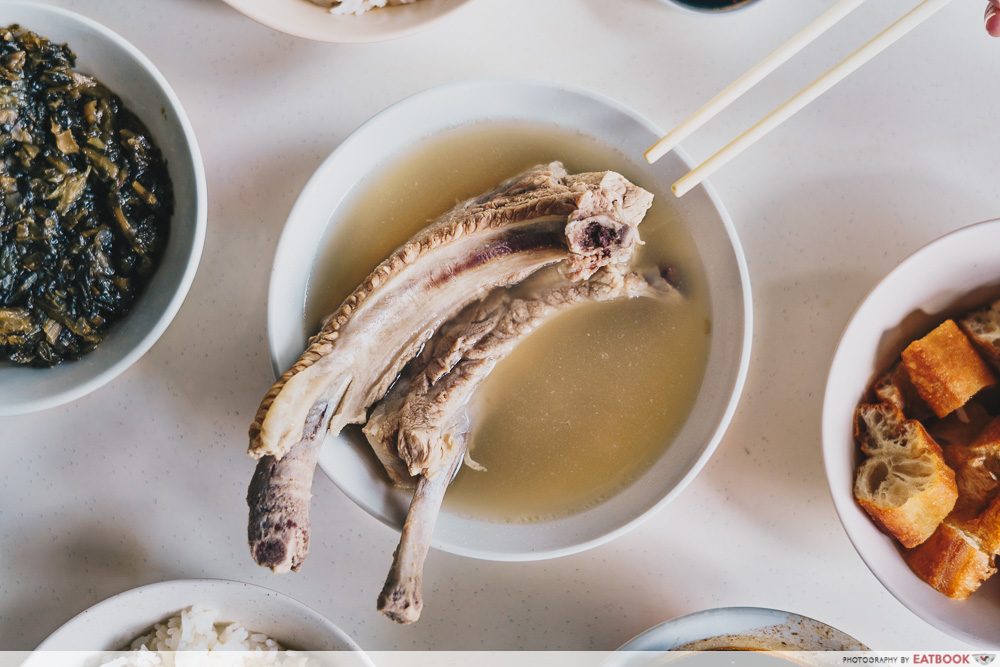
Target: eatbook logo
984,658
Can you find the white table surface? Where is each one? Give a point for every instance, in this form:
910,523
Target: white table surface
144,480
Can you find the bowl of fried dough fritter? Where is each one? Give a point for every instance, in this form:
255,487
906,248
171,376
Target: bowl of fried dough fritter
911,432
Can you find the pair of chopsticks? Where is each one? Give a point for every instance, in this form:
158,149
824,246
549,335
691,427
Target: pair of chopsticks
783,53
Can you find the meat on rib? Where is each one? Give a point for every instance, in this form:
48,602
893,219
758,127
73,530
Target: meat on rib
421,426
541,217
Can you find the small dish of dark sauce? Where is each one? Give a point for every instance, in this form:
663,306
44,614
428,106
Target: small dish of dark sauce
709,6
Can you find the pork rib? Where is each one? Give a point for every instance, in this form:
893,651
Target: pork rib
538,218
535,219
279,495
401,598
406,427
422,422
439,356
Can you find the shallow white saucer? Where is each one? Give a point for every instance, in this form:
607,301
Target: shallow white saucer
736,628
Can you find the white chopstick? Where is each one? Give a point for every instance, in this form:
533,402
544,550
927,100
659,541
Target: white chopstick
838,73
751,78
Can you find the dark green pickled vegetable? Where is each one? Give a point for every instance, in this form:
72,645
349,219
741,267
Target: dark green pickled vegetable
86,204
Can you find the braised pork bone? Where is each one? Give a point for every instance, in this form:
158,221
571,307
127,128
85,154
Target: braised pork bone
420,429
541,217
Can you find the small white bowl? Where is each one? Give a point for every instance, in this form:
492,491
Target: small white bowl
303,18
683,6
113,624
956,272
126,71
537,104
735,628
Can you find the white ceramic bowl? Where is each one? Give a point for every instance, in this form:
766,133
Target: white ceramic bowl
303,18
113,624
126,71
953,273
595,118
686,7
736,628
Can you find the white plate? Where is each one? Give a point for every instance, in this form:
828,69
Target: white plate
127,72
303,18
737,627
541,104
955,272
114,623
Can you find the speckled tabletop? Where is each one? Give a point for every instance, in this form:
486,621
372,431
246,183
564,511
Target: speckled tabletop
144,480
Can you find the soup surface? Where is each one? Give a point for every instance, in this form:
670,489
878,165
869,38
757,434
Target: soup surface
591,399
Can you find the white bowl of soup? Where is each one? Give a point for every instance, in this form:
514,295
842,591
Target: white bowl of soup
576,452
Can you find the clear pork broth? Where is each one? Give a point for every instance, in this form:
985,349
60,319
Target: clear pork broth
591,399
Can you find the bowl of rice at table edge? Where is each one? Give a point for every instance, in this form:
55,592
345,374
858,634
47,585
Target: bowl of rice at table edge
349,21
199,614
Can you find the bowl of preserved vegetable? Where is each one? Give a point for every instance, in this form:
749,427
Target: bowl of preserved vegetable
102,206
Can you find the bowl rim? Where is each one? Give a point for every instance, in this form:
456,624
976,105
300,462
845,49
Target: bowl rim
315,34
735,389
844,504
199,224
51,642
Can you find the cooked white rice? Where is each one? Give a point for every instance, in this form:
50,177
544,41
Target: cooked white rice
358,7
198,630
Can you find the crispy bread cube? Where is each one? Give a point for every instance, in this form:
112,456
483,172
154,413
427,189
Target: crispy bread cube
960,554
961,427
904,484
987,529
982,529
977,468
982,326
951,562
895,387
977,474
945,368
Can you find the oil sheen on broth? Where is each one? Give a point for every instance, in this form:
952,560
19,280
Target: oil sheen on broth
592,398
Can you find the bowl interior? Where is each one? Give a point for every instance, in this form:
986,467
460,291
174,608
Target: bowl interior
304,18
121,67
954,273
113,624
546,105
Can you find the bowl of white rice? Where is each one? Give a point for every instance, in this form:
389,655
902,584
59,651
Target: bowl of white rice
349,21
242,623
